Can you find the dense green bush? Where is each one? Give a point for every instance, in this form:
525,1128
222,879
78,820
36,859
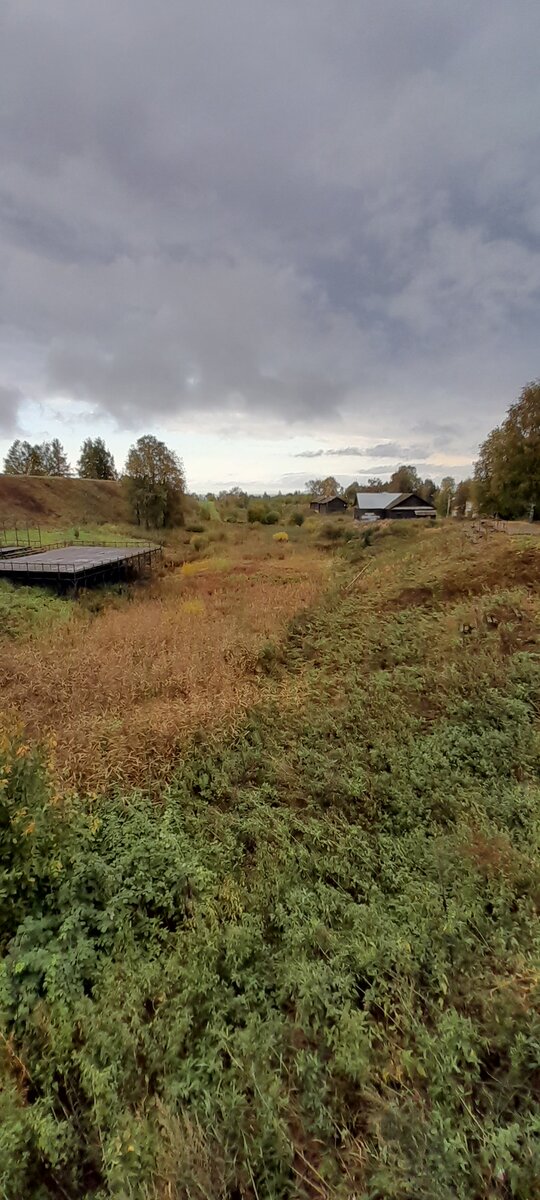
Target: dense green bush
256,512
332,531
296,518
259,511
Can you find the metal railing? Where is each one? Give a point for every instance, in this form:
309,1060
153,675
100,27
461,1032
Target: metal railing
23,564
32,537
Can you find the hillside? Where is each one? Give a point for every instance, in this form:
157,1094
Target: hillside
311,971
39,500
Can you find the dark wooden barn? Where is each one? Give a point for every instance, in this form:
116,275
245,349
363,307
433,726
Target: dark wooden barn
330,504
391,506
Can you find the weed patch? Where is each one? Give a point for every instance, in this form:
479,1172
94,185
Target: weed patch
29,611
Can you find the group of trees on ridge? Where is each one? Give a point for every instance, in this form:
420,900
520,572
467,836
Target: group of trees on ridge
506,479
50,458
153,476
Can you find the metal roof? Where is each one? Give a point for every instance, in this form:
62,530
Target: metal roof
378,500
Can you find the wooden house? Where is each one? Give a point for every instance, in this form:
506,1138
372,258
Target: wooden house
329,505
391,506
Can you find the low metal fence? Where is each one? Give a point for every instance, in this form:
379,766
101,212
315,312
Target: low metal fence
27,562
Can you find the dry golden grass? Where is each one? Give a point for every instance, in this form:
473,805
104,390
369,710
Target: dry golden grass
121,692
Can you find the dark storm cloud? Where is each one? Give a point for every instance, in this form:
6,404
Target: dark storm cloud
10,399
263,211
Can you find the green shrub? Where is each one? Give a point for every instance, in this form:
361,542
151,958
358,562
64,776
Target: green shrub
270,518
209,511
296,518
332,531
194,527
199,542
256,512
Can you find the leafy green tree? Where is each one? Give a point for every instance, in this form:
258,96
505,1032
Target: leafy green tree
463,495
17,460
445,496
95,462
507,474
321,489
350,492
155,483
233,498
428,490
405,479
23,458
54,458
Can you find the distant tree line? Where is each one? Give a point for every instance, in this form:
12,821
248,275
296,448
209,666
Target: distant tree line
446,497
506,479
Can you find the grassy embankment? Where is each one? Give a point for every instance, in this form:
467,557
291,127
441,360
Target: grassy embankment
313,969
49,502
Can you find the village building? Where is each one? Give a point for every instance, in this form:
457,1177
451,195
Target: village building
391,506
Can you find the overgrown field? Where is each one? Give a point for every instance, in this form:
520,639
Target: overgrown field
312,969
126,676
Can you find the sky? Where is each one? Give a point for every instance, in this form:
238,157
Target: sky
291,238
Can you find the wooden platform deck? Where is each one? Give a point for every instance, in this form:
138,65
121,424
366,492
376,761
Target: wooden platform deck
77,564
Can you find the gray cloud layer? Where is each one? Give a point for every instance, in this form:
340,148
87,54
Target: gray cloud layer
10,399
280,210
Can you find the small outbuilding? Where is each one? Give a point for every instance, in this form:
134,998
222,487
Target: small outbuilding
328,505
391,506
